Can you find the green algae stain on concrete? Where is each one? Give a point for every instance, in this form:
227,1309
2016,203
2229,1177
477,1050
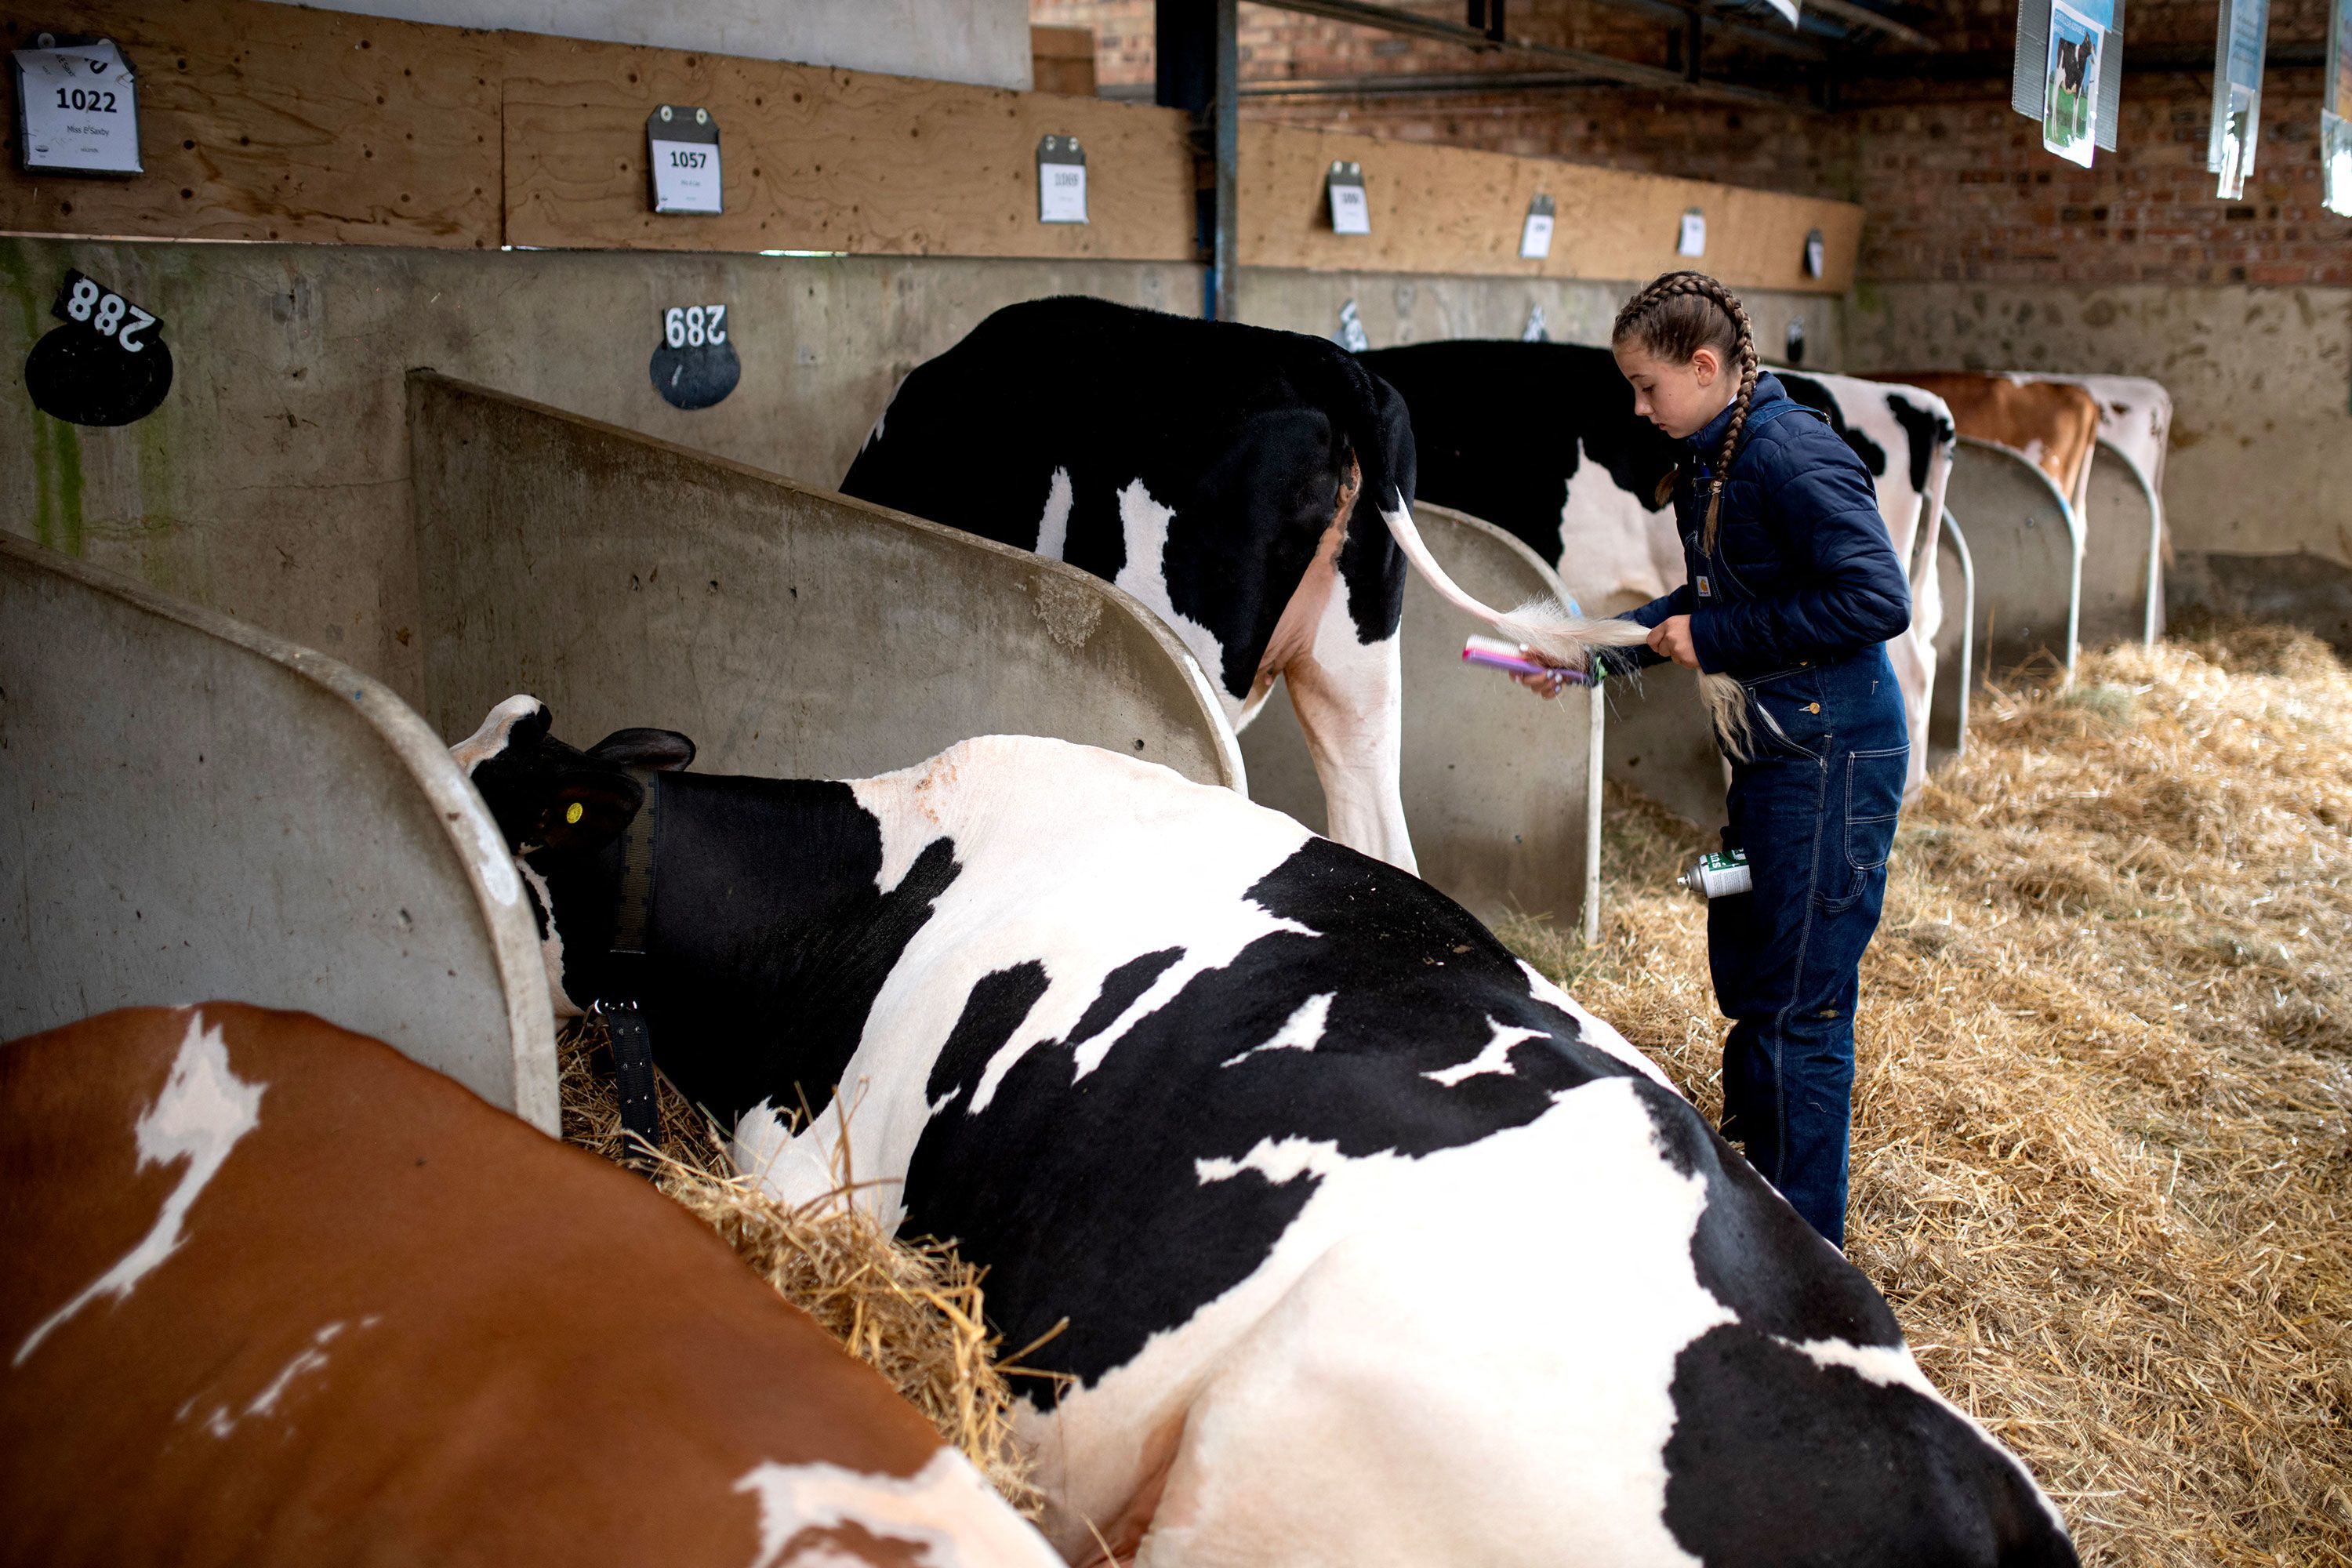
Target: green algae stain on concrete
56,446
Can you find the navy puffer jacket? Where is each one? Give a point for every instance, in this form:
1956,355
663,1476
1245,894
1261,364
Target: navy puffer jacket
1802,570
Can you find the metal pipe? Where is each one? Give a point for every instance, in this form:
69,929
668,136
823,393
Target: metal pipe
1855,15
1224,256
1387,18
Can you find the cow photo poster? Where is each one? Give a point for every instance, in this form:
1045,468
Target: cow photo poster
2070,105
2236,95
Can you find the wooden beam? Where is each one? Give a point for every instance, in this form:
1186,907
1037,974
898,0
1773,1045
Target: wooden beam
275,122
261,121
820,158
1451,210
1609,67
1868,20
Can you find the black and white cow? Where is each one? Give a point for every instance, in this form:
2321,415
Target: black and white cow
2075,62
1370,1245
1541,440
1250,487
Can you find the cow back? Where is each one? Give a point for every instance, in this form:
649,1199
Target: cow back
1068,426
2054,424
282,1295
1504,431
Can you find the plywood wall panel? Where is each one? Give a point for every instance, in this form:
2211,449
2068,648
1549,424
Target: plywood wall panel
262,122
1455,210
818,159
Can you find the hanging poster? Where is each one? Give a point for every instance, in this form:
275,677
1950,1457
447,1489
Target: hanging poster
2335,114
2237,94
2070,102
2039,73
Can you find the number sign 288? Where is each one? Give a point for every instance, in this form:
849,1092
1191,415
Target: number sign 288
692,326
104,309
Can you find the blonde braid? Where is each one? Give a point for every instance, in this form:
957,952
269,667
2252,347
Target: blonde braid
1678,314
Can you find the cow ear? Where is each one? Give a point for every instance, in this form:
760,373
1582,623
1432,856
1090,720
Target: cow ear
657,750
588,810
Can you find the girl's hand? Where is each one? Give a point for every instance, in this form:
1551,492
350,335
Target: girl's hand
1544,686
1671,638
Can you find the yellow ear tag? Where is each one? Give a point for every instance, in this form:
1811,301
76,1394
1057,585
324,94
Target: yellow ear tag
574,812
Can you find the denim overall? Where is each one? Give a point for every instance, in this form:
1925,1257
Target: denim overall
1814,807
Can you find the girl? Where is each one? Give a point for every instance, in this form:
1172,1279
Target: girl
1792,588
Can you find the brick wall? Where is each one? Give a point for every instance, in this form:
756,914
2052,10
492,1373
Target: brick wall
1955,185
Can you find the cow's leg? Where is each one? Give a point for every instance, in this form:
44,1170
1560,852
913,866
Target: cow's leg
1350,697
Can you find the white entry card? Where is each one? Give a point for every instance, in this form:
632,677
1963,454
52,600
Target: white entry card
1693,239
1535,239
685,176
80,110
1350,213
1062,196
1061,180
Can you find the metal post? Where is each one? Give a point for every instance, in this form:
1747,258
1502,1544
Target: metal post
1224,259
1199,71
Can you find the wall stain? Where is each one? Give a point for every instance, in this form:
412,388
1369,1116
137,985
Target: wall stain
56,446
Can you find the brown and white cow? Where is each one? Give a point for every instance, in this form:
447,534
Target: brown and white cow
2053,422
278,1294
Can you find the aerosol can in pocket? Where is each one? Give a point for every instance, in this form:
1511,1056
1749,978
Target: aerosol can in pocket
1719,875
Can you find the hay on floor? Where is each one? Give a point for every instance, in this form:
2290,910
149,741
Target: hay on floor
912,1311
2102,1166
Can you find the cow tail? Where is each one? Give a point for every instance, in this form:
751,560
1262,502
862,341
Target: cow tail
1564,637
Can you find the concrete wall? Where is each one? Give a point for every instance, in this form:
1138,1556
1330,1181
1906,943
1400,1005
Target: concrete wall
790,631
273,483
192,810
2256,493
983,41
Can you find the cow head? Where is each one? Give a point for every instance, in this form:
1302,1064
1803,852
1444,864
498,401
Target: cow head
561,812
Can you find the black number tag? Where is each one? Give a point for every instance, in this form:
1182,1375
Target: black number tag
695,365
108,365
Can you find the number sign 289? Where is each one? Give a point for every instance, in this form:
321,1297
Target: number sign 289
695,365
104,309
692,326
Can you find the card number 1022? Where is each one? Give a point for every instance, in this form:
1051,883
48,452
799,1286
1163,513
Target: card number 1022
692,326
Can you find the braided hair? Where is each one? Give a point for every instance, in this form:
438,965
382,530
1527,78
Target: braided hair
1679,314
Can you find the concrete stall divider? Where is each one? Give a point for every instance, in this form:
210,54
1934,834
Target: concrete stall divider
2123,553
1501,788
198,811
1947,712
792,632
1661,744
2025,542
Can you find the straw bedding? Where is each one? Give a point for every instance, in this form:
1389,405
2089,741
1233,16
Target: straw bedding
2101,1164
913,1312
